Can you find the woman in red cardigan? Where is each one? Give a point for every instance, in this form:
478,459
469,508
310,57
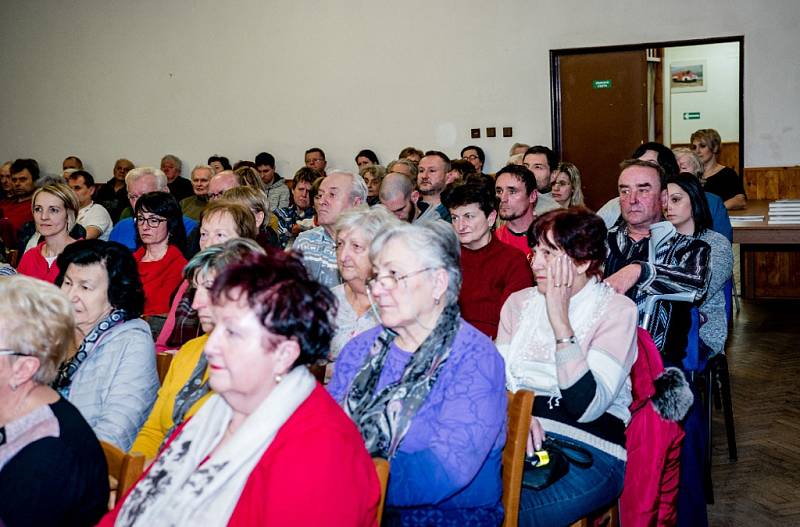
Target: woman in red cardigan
161,237
270,447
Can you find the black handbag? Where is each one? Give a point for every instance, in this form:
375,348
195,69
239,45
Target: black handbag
551,462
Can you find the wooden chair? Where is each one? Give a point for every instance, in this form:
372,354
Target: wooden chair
607,517
382,468
520,406
123,467
163,361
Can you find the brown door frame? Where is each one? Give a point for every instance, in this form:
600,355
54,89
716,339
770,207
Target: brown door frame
555,82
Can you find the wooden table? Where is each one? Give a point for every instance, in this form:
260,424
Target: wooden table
769,254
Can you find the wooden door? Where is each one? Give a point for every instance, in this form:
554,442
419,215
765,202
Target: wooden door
600,105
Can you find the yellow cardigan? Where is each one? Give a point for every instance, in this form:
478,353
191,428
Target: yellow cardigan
160,419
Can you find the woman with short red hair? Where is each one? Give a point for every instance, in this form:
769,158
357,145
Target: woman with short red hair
572,341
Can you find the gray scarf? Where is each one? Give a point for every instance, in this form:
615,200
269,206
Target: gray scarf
385,417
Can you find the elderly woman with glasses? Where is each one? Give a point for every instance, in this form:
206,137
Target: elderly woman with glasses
52,469
270,447
426,389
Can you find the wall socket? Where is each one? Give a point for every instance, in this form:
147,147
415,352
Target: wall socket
491,132
507,131
475,133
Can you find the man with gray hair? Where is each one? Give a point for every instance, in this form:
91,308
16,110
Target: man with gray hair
338,192
194,205
139,182
179,187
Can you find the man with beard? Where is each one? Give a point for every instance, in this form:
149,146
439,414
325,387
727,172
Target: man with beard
542,162
398,195
432,179
516,192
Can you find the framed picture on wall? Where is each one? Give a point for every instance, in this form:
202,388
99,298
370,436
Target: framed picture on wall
687,76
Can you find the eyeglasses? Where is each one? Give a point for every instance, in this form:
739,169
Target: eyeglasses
13,353
389,282
153,221
473,157
215,195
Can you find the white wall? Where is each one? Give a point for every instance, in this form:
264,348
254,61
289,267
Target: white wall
718,105
109,78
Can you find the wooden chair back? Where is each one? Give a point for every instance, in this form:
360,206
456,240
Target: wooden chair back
382,468
163,361
520,406
125,468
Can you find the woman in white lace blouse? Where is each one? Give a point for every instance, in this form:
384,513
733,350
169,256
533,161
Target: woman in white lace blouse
572,341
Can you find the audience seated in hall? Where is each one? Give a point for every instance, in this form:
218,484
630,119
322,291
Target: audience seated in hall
338,192
139,182
490,269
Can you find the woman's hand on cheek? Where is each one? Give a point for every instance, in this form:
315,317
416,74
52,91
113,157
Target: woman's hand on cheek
560,277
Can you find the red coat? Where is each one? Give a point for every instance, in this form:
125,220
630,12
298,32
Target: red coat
315,472
652,473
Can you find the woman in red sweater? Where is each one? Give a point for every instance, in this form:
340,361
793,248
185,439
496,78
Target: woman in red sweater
161,237
271,447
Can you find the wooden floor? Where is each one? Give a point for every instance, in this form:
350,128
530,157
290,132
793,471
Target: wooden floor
762,488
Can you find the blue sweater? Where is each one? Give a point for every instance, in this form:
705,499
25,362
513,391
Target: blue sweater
448,464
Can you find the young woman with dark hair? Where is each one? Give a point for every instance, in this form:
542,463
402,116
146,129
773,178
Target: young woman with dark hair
161,238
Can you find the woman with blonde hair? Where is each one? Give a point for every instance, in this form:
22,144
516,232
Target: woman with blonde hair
55,211
566,188
717,179
257,201
52,469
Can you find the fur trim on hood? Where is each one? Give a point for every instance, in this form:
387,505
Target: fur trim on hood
673,396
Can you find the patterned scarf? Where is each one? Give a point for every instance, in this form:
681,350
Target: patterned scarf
194,389
385,417
69,367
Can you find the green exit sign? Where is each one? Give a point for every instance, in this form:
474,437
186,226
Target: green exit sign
604,84
691,116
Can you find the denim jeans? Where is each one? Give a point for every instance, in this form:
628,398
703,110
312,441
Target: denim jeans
580,492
